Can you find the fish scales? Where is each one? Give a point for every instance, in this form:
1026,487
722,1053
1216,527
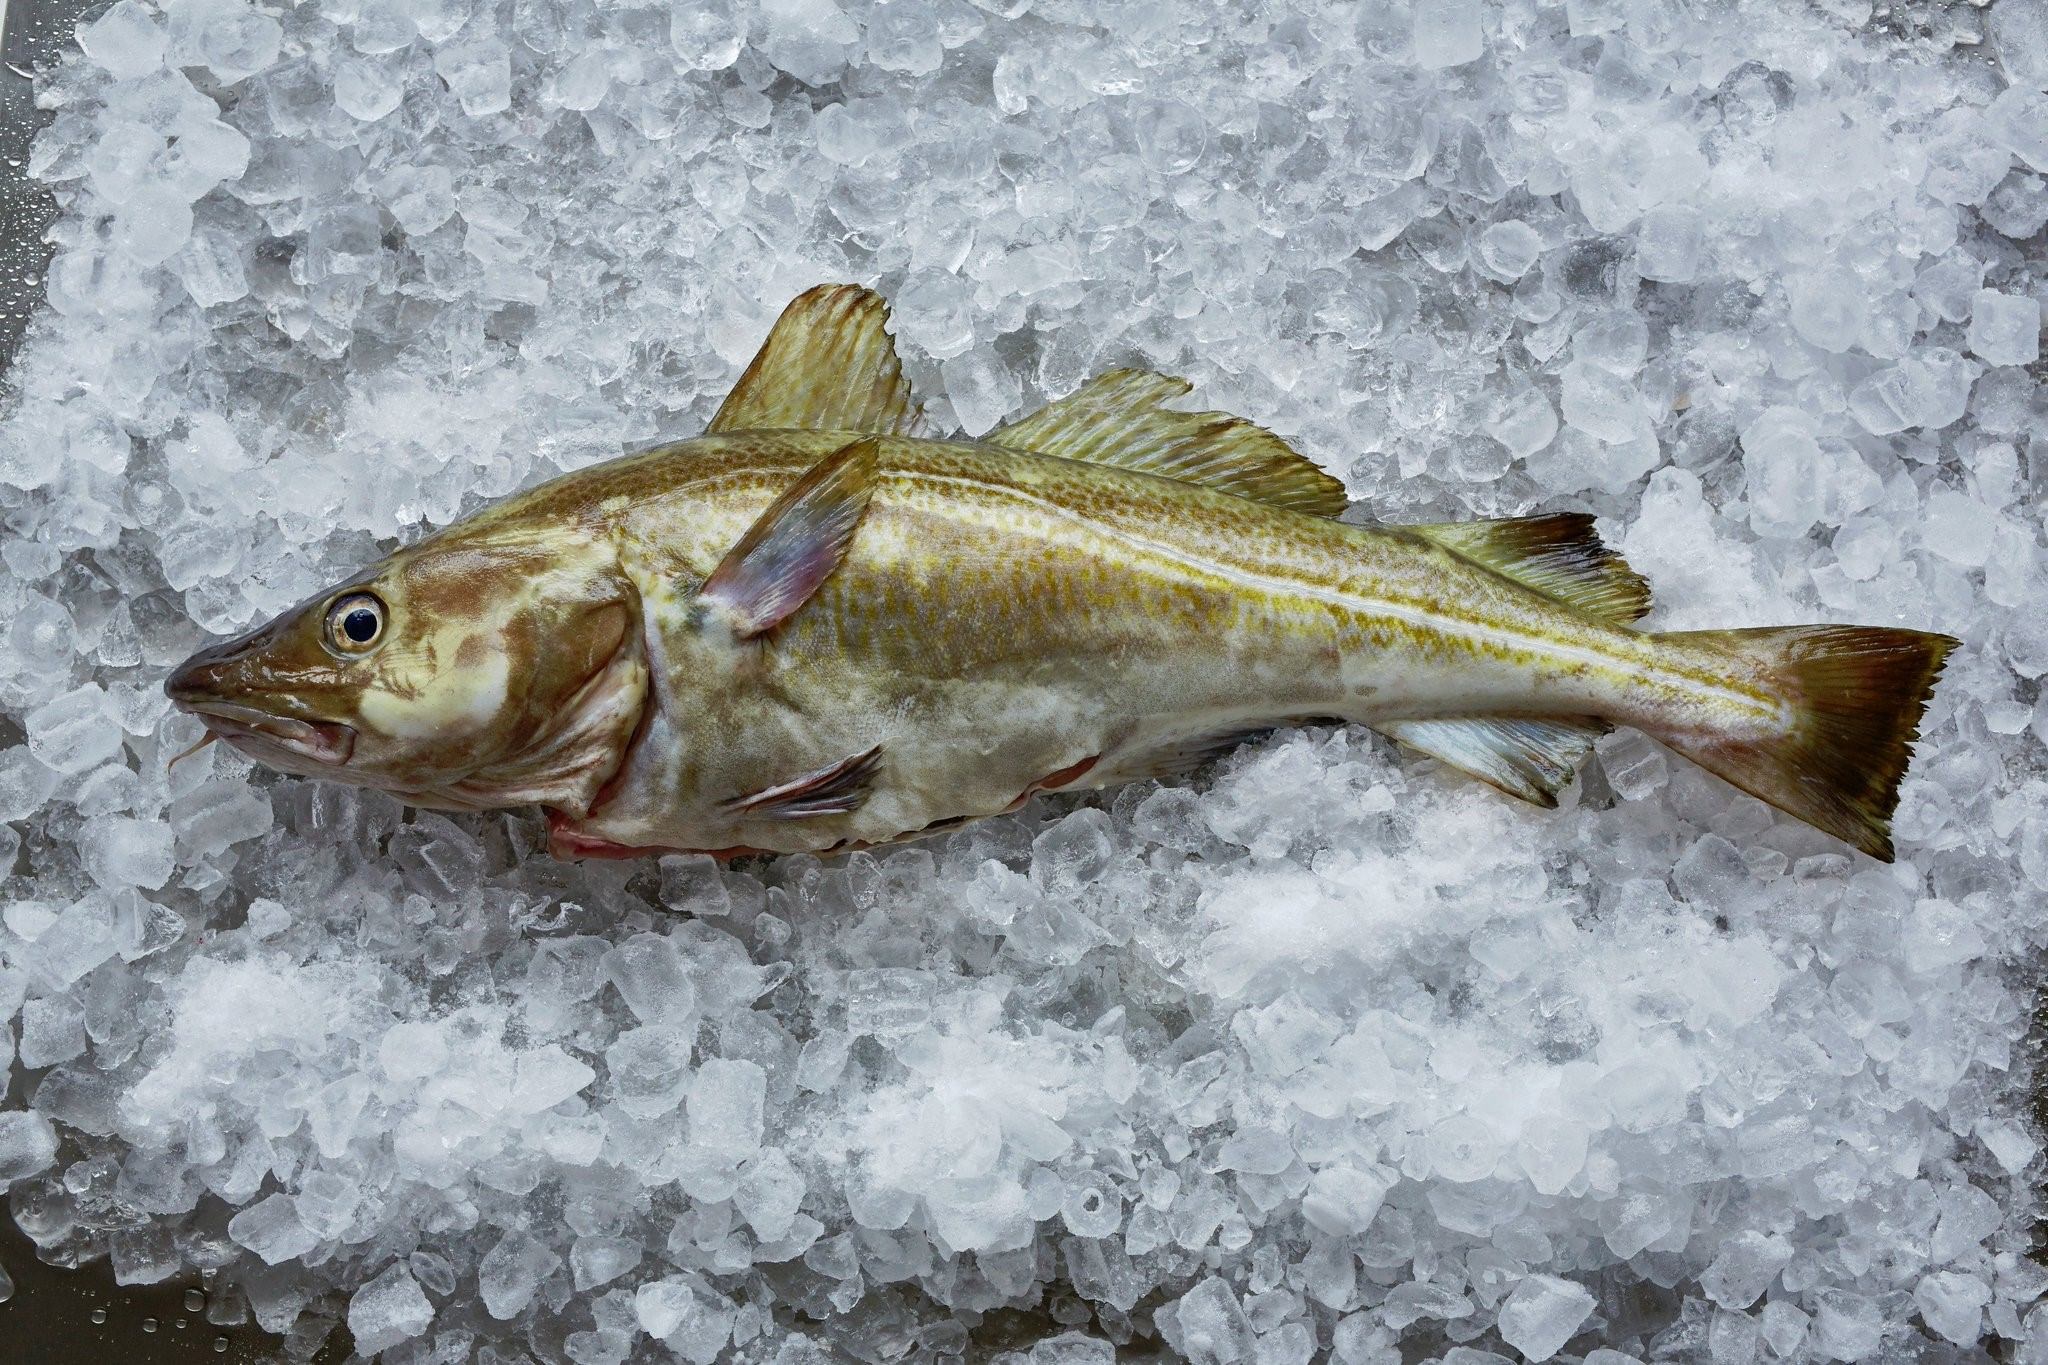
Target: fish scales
811,630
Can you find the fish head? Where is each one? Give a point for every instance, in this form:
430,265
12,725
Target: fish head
450,673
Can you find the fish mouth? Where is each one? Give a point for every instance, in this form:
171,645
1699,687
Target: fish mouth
265,736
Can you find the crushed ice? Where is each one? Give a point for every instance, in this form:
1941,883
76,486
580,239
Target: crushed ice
1329,1052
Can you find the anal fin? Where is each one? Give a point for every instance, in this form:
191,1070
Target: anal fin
1524,756
836,789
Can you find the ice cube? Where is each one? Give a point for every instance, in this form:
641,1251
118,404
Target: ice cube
125,40
1847,1324
1343,1199
725,1109
76,731
1953,1304
119,851
1447,34
2005,329
1542,1314
1601,403
1668,244
2009,1142
388,1310
706,34
512,1271
52,1031
596,1260
1508,248
650,977
650,1069
545,1077
1210,1326
273,1230
28,1145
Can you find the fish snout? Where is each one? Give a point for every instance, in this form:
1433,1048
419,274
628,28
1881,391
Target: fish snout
218,684
203,677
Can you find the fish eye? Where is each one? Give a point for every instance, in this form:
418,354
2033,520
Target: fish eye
355,623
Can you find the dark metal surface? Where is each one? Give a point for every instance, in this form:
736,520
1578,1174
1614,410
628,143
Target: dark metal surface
59,1316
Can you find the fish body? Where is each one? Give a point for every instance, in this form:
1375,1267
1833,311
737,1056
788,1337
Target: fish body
809,630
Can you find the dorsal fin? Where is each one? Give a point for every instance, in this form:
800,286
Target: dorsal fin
1118,419
1559,555
828,365
1522,755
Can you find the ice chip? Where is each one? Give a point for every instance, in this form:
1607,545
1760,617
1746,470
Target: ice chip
388,1310
1447,34
28,1145
1345,1199
1669,240
273,1230
725,1109
75,731
125,40
1542,1314
2005,330
1953,1305
1211,1327
1508,248
650,977
120,852
512,1270
545,1077
1744,1267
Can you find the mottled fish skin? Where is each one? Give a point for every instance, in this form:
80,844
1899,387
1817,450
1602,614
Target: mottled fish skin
811,630
1004,616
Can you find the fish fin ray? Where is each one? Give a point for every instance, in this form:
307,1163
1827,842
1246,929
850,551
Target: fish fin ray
1119,418
1858,694
1524,756
835,789
828,365
794,546
1559,555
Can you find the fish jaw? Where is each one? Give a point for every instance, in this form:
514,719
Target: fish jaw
300,744
283,742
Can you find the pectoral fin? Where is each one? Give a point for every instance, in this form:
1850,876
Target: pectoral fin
827,365
1524,757
795,545
838,789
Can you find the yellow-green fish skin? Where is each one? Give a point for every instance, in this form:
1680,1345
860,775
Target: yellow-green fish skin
1002,617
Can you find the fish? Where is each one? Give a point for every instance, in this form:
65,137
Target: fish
813,629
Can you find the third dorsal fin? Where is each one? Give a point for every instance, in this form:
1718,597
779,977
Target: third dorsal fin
1118,418
827,365
1559,555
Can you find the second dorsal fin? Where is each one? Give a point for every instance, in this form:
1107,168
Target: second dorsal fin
1559,555
828,365
1119,419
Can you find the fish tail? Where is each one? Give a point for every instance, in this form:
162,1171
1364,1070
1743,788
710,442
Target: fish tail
1856,695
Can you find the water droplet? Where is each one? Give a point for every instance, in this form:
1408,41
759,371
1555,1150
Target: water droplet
220,1346
194,1301
149,1324
99,1315
180,1323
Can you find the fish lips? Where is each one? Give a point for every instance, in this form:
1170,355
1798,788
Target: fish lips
281,741
201,685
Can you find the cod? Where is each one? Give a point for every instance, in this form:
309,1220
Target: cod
811,630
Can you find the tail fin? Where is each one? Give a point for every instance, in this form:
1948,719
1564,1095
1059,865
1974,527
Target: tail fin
1859,692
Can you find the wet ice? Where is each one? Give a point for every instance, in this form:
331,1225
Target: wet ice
1326,1052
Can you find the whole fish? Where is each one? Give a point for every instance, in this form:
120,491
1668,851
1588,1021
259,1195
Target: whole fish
809,629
